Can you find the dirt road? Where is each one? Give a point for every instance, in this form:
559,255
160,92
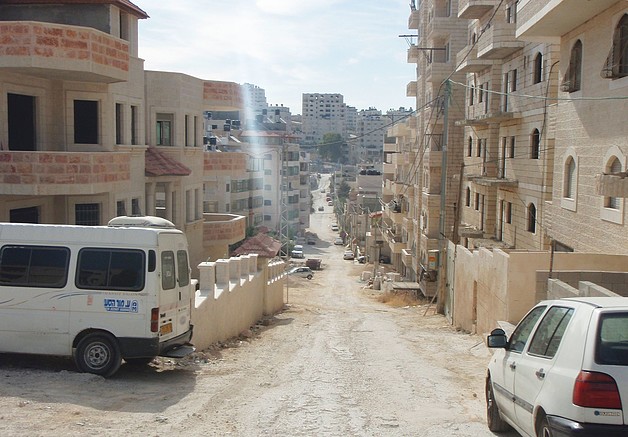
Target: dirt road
336,362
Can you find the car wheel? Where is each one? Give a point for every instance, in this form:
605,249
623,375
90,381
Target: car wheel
309,276
98,354
493,417
543,430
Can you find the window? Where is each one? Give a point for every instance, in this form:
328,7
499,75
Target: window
532,218
164,129
538,68
480,143
134,119
481,94
522,332
573,78
550,332
569,183
513,80
268,202
85,122
511,12
471,94
87,214
135,206
612,334
477,202
535,144
120,207
119,123
111,269
470,146
468,197
183,268
508,212
168,277
512,147
613,167
616,65
34,266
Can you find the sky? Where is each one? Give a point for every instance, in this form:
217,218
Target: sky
287,47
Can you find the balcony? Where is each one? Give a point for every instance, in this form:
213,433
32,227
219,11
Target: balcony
411,89
442,26
57,51
394,241
498,41
408,224
469,231
611,185
539,21
468,62
414,20
394,214
493,181
407,257
62,173
473,9
388,168
222,229
436,72
413,54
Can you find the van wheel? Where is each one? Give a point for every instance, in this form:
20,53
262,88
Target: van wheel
309,276
98,354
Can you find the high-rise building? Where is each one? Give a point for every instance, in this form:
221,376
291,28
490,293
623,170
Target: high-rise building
322,114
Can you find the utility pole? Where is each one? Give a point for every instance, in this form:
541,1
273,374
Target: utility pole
442,241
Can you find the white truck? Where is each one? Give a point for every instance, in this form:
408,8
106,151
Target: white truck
100,294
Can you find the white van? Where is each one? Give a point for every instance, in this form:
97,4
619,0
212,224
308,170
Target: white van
97,293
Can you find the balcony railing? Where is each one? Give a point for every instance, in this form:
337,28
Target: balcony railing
223,229
473,9
498,41
59,51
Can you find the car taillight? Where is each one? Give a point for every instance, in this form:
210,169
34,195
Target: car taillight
154,320
596,390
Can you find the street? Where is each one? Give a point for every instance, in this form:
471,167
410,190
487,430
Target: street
336,362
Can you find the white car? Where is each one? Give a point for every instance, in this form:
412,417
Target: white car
339,241
303,272
334,227
348,255
563,371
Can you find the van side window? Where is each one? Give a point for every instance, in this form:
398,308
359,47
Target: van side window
34,266
184,270
168,277
111,269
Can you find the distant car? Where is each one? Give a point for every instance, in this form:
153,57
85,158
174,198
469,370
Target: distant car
321,208
297,251
334,227
339,241
303,272
348,255
563,371
311,240
384,259
330,203
328,199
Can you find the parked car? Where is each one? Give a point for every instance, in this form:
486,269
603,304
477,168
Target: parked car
563,371
303,272
339,241
328,199
311,241
384,259
330,203
297,251
348,255
321,208
334,227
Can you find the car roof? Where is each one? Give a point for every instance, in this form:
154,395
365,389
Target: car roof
599,302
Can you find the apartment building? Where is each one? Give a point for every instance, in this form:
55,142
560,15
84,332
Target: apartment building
322,114
87,134
510,87
424,192
587,211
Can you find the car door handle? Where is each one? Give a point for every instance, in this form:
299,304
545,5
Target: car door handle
513,365
540,373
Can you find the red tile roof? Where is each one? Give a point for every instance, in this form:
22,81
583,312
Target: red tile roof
261,244
160,164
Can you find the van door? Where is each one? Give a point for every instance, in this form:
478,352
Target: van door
175,292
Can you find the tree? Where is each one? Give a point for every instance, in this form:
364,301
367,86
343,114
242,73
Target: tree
330,148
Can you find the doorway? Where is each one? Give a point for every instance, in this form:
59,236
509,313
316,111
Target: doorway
21,119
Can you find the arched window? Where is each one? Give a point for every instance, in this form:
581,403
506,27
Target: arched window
532,218
614,166
574,74
535,144
538,68
569,183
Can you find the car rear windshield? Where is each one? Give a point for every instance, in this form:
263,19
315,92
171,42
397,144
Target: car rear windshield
612,341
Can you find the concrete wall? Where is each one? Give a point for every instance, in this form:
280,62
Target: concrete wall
491,286
233,294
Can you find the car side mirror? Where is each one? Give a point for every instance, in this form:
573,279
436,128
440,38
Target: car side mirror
497,339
